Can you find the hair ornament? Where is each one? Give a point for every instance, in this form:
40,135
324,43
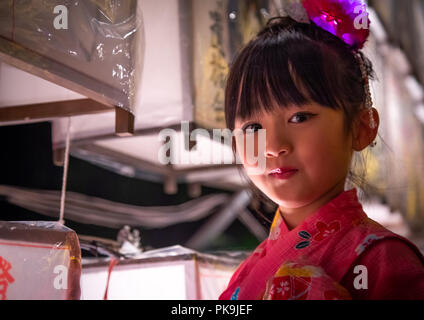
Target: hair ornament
368,98
346,19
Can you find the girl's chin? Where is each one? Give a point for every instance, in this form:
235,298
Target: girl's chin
286,198
282,200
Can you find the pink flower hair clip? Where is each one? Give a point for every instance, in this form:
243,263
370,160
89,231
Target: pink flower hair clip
346,19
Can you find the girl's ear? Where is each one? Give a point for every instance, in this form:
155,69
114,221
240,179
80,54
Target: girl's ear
363,132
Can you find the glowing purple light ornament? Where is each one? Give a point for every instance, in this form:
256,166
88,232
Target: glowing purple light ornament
346,19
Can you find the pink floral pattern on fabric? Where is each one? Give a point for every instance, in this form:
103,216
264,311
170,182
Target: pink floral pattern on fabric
296,281
309,262
291,282
325,230
366,242
307,239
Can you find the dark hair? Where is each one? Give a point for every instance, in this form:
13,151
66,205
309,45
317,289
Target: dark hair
293,63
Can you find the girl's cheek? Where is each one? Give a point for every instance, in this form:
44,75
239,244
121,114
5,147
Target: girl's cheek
324,155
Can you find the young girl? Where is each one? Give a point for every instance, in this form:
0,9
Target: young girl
306,84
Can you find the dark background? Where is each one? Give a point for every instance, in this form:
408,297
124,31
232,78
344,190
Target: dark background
26,161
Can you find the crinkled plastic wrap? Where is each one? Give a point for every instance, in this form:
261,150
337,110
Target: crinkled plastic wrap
39,260
102,39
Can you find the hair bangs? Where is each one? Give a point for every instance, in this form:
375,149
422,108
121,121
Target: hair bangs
269,75
267,83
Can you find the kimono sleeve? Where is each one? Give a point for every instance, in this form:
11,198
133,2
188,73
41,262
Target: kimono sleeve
394,271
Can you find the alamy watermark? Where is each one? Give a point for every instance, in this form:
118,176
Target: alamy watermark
361,20
60,282
61,20
361,280
250,147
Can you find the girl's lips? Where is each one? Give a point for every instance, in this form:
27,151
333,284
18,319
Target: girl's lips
283,173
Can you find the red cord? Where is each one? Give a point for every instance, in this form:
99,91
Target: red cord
112,264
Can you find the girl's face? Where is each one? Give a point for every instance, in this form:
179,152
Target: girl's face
310,139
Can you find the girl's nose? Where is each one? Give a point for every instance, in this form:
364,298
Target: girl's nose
275,154
276,147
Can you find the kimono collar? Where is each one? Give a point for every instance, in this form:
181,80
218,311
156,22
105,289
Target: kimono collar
346,203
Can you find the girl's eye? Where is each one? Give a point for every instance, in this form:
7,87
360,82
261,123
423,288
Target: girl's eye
301,117
252,127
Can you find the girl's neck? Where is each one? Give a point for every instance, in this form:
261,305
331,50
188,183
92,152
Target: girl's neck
295,216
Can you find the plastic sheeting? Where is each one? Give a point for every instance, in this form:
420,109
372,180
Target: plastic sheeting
106,213
102,39
39,260
163,96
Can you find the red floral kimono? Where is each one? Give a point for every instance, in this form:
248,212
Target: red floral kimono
336,253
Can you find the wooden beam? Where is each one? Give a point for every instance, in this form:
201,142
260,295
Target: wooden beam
49,110
124,122
125,159
137,132
59,157
166,170
102,137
